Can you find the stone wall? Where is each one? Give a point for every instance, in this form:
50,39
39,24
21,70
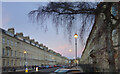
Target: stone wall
95,50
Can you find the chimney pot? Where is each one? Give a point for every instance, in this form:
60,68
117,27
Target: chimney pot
11,30
19,34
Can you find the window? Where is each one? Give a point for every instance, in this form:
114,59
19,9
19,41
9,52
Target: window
8,63
3,62
11,52
19,54
3,40
20,62
114,10
15,53
7,42
7,52
11,43
3,51
15,44
11,62
15,62
22,55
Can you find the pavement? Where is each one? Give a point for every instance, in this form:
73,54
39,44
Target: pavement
79,68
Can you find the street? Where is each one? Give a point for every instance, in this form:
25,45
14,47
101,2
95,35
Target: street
43,71
60,37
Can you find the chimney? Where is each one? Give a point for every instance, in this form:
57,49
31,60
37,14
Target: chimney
32,40
11,30
40,44
46,48
36,42
26,38
19,34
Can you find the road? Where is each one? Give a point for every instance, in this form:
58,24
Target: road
43,71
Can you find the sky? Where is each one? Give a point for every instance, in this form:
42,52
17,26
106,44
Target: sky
15,15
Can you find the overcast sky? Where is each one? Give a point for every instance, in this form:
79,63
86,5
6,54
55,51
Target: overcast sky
15,15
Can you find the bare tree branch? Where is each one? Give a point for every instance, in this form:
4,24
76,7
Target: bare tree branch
65,14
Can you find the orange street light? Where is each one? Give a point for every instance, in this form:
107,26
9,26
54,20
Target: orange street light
25,52
70,50
75,35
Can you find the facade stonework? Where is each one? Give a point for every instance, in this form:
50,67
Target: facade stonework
14,46
95,51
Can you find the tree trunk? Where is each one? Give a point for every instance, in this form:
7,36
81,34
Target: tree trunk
118,39
109,42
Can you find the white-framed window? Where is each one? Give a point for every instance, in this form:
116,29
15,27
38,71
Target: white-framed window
3,40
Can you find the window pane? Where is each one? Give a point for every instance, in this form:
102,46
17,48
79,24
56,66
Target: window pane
3,62
7,42
15,53
3,51
11,52
7,52
11,43
3,40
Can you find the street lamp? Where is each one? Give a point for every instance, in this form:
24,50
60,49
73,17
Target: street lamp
76,48
26,69
70,50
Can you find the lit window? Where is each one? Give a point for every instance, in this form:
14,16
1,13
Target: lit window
3,40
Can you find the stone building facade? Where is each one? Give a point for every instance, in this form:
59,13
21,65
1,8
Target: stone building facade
18,51
95,52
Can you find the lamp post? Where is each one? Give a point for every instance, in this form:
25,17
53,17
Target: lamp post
26,69
70,50
76,49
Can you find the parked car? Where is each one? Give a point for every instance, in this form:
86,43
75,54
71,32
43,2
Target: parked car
47,66
50,66
66,71
55,66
